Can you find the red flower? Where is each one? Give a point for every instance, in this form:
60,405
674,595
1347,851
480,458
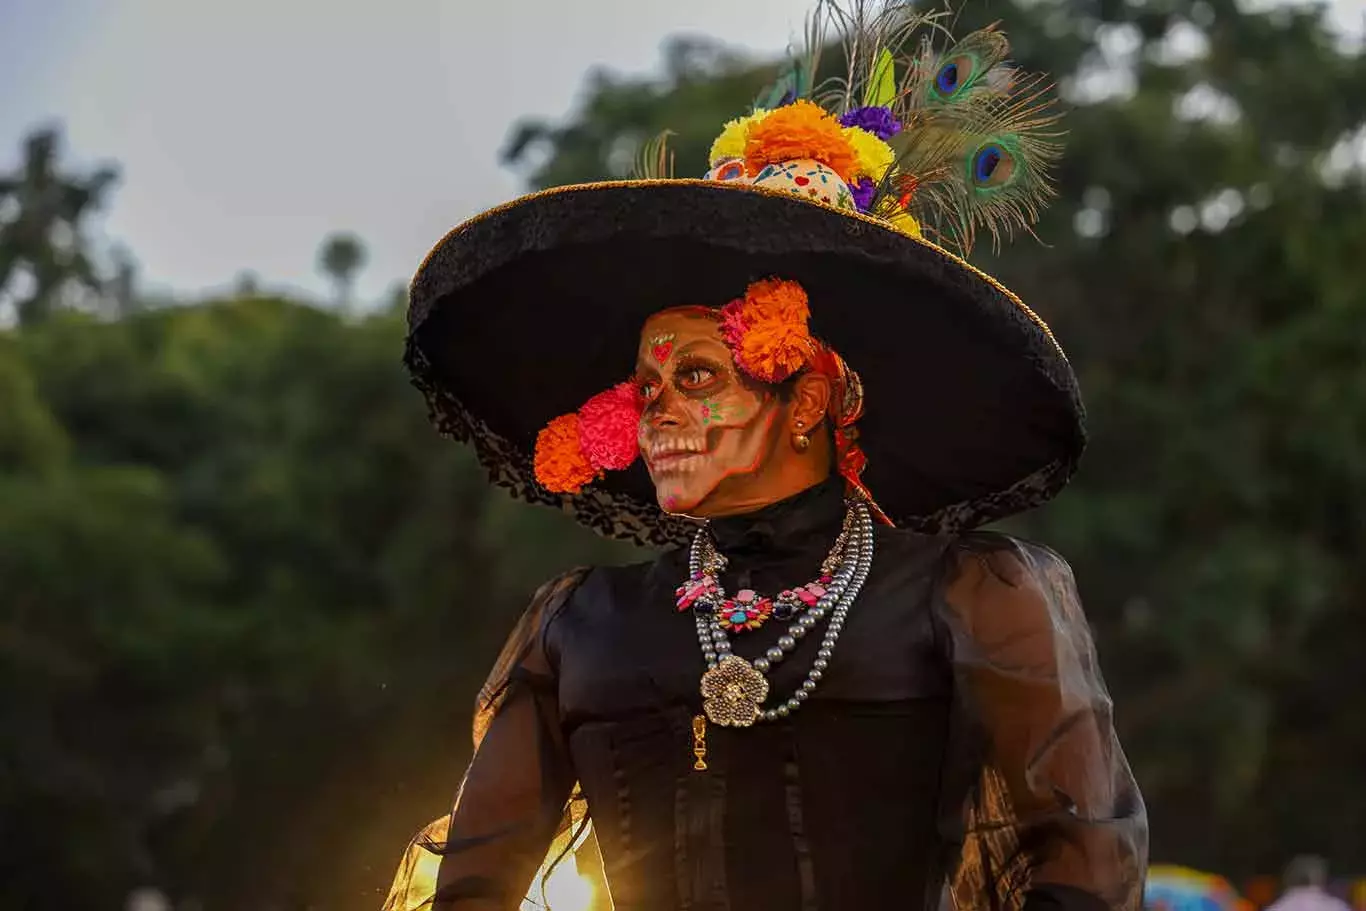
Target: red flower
609,425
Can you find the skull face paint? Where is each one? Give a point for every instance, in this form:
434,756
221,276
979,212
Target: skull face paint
704,425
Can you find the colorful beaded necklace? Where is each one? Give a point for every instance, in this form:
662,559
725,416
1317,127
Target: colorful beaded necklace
734,689
747,609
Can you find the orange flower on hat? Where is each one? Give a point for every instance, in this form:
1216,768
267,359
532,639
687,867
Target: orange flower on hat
802,129
560,463
766,330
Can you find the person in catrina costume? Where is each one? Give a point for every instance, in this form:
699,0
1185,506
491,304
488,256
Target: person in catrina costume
831,691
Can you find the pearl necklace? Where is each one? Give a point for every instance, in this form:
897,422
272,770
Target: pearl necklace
734,689
748,609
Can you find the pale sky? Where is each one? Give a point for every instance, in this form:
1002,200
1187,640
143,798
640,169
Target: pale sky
247,130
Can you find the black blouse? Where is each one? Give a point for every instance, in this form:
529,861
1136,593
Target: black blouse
961,736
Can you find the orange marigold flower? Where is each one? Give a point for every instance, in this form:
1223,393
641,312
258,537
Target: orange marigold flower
802,129
766,330
561,466
773,352
778,299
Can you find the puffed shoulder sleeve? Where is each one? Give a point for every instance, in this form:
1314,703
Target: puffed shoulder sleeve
1038,793
514,801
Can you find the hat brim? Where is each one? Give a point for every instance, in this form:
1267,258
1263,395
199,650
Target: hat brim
524,312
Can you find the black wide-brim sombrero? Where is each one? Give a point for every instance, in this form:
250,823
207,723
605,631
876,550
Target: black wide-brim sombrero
524,312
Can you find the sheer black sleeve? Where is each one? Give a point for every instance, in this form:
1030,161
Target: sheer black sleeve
515,800
1040,795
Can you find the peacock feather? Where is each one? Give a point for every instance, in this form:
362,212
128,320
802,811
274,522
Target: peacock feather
872,33
985,163
978,143
794,82
970,66
655,160
978,137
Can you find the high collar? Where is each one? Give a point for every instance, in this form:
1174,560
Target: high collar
808,520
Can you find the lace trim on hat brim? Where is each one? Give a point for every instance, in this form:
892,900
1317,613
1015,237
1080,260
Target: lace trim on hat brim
623,517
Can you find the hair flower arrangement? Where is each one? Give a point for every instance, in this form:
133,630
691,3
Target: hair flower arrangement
766,330
575,449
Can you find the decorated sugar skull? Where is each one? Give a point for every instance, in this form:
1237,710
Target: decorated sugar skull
802,149
728,169
809,178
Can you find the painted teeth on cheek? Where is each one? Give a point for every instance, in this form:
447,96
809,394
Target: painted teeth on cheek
660,447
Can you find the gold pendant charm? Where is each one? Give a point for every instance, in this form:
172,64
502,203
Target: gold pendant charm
732,693
699,743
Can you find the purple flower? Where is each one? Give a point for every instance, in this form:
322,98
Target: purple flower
876,120
863,193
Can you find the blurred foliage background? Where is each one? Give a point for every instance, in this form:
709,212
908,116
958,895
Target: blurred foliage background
247,595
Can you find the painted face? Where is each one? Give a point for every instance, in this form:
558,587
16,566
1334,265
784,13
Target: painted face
704,425
811,179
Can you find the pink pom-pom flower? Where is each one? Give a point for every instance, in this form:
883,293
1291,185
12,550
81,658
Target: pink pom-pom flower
733,324
609,425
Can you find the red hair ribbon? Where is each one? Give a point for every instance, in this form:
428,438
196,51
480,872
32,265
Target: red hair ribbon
846,407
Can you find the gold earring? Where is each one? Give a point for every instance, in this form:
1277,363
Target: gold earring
801,442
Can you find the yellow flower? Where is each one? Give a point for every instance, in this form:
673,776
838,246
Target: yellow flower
903,221
875,157
731,142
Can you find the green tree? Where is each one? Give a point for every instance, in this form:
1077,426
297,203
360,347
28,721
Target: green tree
340,258
620,114
122,287
1204,276
248,593
43,211
247,284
